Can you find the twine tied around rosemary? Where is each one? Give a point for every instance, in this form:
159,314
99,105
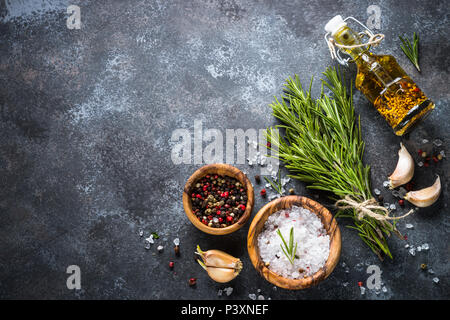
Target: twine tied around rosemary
374,40
368,208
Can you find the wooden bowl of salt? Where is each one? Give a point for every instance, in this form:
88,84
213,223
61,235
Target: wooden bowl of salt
329,225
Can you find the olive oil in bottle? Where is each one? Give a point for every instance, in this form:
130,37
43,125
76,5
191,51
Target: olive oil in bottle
380,78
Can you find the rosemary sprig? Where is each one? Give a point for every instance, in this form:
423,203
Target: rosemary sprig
323,146
411,51
276,185
288,250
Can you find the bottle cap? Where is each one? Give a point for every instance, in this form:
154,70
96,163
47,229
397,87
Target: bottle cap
335,24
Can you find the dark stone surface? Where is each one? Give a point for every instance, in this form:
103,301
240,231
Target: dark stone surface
87,117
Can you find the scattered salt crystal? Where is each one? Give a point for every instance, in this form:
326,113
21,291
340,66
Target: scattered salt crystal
420,164
412,251
310,235
150,239
228,290
160,248
274,174
402,192
260,297
396,193
430,271
259,290
359,266
252,296
386,205
147,245
285,180
419,248
275,288
384,289
363,290
409,226
425,246
386,184
377,192
442,153
437,142
176,241
436,280
141,233
392,207
406,246
345,284
219,293
424,141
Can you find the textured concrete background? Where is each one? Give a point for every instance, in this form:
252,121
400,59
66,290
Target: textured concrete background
86,118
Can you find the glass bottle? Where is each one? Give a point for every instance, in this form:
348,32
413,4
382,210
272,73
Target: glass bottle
380,78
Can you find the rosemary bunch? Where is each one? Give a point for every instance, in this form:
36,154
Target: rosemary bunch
411,50
323,146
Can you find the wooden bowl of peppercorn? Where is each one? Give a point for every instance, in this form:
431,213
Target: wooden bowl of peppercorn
329,224
218,199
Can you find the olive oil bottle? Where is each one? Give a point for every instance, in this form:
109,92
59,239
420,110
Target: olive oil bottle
380,78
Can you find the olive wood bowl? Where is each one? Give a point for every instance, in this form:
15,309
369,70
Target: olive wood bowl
329,223
220,169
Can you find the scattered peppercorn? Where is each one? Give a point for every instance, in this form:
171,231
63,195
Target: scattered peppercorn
171,264
291,191
423,266
192,281
177,250
263,192
380,198
423,154
440,157
401,202
435,159
258,178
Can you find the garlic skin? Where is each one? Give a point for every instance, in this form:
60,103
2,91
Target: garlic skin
425,197
221,266
404,170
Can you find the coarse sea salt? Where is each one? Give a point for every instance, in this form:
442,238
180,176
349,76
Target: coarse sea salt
313,243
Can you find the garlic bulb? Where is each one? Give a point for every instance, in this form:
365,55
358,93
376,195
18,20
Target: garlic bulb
404,170
221,266
425,197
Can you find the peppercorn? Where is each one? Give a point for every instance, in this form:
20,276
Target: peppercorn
171,264
424,154
291,191
192,281
401,202
423,266
177,250
380,198
440,157
257,178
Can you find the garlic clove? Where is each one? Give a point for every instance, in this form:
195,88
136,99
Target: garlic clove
221,266
404,170
425,197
